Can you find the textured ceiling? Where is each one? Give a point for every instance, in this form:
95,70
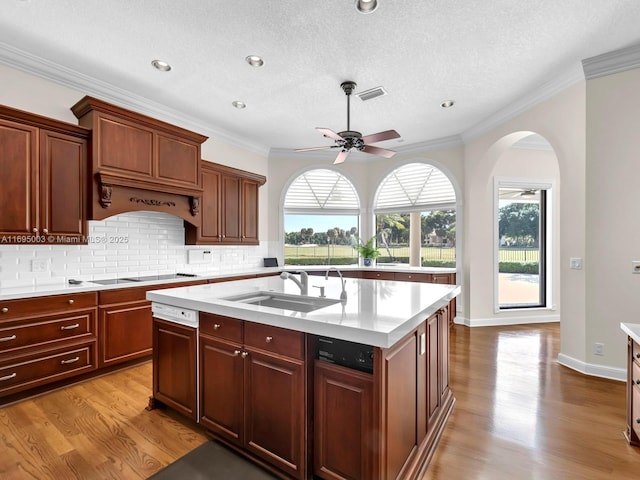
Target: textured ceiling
484,54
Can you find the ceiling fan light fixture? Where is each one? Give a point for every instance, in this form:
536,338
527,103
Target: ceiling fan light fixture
366,6
161,65
254,60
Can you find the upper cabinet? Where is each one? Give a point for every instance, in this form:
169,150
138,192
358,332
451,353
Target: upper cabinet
229,207
44,165
140,163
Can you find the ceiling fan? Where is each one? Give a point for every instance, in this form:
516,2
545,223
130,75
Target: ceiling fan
349,139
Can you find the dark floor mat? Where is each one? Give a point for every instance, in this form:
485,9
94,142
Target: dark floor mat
212,461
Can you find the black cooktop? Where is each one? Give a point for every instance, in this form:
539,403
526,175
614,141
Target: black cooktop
146,278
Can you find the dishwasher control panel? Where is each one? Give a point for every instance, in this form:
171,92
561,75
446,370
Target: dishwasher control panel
183,316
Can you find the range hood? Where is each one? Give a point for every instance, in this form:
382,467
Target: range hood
140,163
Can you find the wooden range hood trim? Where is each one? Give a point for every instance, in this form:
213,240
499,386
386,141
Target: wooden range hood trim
106,182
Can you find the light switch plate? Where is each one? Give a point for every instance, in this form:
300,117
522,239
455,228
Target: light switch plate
575,263
635,266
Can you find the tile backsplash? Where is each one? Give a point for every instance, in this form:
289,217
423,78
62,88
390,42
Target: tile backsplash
138,242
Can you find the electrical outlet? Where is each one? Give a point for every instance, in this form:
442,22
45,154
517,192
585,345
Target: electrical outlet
598,348
40,265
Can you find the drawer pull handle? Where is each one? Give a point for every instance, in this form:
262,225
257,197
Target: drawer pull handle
637,354
71,360
71,301
8,339
245,354
5,309
638,382
236,353
69,327
8,377
637,420
216,326
269,339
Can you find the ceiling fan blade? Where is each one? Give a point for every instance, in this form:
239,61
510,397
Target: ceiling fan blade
327,132
342,156
383,152
315,148
380,136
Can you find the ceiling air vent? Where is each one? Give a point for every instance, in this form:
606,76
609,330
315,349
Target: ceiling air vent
371,93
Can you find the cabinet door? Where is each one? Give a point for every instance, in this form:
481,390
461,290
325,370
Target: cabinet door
343,422
122,146
19,167
125,332
434,369
443,354
174,366
63,185
249,212
274,406
231,225
211,215
177,161
221,388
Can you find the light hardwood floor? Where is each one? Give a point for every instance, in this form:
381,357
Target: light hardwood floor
518,415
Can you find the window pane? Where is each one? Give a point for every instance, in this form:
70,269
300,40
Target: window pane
437,231
521,222
320,239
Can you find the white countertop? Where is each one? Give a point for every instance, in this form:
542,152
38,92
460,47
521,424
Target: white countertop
632,329
376,312
61,288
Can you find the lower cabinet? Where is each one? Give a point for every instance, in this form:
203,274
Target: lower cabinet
343,422
252,390
385,425
174,366
632,432
46,340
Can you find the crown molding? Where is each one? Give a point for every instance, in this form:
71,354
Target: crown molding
547,90
612,62
51,71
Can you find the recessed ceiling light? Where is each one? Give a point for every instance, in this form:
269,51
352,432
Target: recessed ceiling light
447,104
238,104
254,61
160,65
366,6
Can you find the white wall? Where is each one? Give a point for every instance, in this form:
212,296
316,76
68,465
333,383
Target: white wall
613,223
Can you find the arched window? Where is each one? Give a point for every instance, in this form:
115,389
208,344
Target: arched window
321,215
416,217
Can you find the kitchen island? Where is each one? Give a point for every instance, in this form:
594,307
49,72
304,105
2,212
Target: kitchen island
355,386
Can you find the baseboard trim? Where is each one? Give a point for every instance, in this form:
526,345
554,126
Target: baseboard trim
501,321
592,369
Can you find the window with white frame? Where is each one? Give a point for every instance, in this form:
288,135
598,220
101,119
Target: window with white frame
321,218
415,209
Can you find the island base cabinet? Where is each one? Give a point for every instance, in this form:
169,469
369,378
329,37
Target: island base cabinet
632,432
344,436
174,366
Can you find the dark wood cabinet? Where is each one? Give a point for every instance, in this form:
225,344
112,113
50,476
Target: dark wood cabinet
343,422
44,165
174,366
384,425
230,207
252,390
632,432
45,340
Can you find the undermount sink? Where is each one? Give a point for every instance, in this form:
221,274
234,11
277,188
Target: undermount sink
298,303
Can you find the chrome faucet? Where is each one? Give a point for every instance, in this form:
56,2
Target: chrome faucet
343,294
303,283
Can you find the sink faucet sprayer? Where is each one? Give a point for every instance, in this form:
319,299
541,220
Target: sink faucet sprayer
343,294
303,283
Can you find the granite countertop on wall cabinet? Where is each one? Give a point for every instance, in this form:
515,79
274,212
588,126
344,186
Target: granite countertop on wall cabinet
60,288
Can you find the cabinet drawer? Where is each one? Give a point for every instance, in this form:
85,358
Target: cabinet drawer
18,335
412,277
442,278
635,351
274,339
635,413
379,275
27,372
221,327
11,309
